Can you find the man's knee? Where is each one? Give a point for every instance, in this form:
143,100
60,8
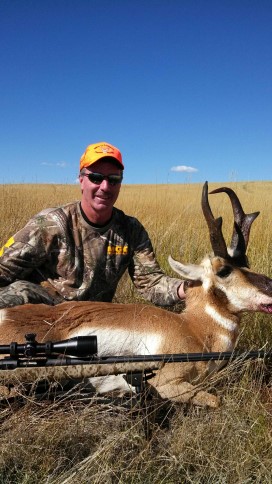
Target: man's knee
9,299
23,292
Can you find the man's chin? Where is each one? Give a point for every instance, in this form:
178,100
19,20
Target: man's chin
103,205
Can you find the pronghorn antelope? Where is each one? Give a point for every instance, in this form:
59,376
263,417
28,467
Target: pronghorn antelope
224,287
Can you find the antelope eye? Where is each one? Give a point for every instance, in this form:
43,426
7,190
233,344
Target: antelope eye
224,272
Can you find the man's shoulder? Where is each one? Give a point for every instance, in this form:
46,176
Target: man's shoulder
131,225
122,216
58,217
68,208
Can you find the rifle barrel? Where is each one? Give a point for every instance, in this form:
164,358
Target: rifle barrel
54,369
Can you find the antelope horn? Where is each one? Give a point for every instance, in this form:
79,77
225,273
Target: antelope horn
242,224
214,225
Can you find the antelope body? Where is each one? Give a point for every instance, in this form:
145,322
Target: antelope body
224,288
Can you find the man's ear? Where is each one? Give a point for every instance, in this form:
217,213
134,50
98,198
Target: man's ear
80,179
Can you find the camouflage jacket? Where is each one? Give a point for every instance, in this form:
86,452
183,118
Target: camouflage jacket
83,262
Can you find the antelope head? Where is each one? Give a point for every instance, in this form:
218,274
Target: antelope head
225,277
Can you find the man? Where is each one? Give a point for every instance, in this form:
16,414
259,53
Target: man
81,250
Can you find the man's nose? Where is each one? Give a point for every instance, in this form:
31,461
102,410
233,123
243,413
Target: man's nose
105,185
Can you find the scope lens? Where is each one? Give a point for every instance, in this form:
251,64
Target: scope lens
80,346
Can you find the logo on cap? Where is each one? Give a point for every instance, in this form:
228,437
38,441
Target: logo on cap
104,149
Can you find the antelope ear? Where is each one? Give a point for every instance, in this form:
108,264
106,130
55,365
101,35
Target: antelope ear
189,271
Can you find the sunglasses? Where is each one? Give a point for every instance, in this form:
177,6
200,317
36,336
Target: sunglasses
97,178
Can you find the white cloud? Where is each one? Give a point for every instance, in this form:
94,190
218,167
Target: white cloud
60,164
184,169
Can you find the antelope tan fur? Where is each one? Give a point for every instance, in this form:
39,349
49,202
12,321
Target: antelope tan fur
224,287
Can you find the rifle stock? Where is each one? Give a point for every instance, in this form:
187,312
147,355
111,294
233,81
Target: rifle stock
73,371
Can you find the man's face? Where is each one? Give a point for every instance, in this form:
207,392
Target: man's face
100,198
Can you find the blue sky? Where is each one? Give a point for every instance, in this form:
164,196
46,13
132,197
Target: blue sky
182,88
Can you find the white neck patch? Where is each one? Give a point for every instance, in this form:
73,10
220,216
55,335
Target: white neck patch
226,342
225,323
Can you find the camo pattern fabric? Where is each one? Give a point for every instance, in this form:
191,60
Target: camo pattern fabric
22,292
73,260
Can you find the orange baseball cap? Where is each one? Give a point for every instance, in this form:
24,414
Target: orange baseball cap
97,151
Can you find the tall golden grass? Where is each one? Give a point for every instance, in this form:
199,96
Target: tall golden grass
73,441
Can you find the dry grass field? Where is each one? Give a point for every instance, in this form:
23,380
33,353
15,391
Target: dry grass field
72,440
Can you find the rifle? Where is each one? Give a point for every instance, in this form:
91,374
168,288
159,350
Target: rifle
77,358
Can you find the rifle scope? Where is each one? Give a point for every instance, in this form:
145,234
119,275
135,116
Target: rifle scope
79,346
